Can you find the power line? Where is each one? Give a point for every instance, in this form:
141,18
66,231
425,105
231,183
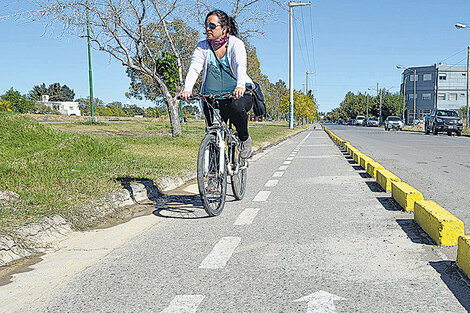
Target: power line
299,43
313,48
305,40
454,54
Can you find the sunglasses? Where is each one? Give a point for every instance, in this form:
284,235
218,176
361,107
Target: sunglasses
212,25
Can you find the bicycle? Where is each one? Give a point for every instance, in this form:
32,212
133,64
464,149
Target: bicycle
218,157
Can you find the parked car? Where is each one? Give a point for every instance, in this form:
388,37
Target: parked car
443,121
372,122
393,122
359,119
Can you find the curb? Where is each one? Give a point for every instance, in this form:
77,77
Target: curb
443,227
385,178
372,168
463,254
405,195
28,240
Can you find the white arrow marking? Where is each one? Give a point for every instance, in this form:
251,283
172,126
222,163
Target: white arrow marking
184,304
320,302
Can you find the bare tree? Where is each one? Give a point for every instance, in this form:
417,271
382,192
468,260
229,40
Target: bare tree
121,29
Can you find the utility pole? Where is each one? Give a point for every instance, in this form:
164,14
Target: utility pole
414,97
291,61
367,100
468,83
379,94
90,74
306,81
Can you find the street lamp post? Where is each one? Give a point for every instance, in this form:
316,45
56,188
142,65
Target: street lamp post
368,98
306,80
415,78
291,61
460,26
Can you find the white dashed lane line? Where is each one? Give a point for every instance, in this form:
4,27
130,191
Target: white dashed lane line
286,162
271,183
262,196
246,217
221,253
184,304
283,167
289,158
278,174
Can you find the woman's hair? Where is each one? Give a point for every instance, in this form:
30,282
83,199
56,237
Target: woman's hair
225,21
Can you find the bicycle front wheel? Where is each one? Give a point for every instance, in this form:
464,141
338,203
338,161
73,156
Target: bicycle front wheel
211,175
239,177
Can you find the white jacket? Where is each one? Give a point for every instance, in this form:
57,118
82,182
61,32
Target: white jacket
237,60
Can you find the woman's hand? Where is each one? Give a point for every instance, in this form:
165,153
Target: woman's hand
238,92
185,95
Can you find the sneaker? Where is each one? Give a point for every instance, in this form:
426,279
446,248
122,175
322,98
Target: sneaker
246,149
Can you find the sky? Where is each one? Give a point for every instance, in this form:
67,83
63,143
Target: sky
350,45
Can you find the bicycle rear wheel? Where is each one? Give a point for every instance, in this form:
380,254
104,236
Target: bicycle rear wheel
211,179
239,177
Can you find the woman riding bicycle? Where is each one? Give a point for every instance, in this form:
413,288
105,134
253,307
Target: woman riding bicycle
223,49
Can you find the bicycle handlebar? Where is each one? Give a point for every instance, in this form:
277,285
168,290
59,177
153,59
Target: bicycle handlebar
225,95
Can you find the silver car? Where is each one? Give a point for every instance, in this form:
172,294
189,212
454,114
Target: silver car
372,122
393,122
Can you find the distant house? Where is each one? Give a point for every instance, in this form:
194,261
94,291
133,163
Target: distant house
64,107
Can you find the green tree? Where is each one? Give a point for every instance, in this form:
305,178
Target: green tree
55,91
19,103
84,105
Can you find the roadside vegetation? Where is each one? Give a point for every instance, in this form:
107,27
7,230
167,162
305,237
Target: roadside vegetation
361,103
61,168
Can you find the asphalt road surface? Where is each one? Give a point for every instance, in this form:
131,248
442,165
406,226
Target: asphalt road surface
311,235
438,166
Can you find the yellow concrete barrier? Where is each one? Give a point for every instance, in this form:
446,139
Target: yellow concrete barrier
352,150
356,155
384,178
405,195
463,254
372,168
364,160
443,227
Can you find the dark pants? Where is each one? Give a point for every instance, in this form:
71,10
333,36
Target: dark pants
235,110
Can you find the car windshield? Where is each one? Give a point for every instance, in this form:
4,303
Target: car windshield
373,119
394,118
447,113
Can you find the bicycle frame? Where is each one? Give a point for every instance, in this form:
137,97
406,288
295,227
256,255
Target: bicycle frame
223,133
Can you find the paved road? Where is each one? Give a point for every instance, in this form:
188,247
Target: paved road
310,236
438,166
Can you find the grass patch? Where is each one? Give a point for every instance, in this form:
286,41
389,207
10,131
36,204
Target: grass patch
60,168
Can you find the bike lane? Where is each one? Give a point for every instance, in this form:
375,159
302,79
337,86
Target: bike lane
309,236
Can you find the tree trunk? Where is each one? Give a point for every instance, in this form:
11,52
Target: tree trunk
173,113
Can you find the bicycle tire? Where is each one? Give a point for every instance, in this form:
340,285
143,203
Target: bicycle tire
208,172
238,181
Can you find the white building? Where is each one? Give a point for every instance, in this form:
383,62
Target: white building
64,108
